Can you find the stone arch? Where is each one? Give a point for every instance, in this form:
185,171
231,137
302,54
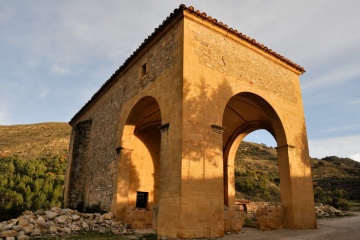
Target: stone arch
244,113
139,158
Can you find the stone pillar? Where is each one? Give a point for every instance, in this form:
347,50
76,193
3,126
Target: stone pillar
296,187
121,198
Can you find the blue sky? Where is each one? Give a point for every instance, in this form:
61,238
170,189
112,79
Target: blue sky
54,55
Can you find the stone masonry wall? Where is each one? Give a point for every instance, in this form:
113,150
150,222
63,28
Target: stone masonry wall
106,112
79,164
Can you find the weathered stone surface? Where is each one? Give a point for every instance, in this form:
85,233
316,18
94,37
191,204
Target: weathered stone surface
23,222
108,216
53,229
39,212
17,228
51,214
28,229
24,237
61,220
40,221
75,217
8,233
35,232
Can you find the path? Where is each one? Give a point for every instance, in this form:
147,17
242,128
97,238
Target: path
329,229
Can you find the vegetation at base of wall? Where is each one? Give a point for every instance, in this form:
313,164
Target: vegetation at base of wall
30,184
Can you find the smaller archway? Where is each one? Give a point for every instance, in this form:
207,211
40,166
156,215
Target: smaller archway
256,168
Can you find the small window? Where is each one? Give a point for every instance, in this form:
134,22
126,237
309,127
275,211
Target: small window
141,199
144,69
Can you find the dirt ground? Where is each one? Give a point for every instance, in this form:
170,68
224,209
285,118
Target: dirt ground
328,229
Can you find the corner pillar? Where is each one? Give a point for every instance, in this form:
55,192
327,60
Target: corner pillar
296,187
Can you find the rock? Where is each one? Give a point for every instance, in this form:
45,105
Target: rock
66,211
67,230
108,216
75,217
8,233
7,227
40,222
28,229
51,215
23,222
10,238
61,220
39,212
53,229
55,209
20,233
85,226
36,232
27,212
17,228
25,237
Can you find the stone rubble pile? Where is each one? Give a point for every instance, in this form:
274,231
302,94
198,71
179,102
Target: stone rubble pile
59,223
328,211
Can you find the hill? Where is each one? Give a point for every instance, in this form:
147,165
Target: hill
336,180
35,140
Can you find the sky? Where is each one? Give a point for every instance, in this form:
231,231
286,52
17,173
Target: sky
54,55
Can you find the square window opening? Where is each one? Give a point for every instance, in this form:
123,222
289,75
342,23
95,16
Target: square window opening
142,199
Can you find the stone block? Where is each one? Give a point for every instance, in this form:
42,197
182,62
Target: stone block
275,223
139,224
280,212
227,225
236,225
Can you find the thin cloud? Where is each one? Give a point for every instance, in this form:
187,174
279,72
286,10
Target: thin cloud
347,146
332,77
61,70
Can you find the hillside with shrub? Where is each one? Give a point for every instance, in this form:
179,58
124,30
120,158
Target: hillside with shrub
32,167
336,180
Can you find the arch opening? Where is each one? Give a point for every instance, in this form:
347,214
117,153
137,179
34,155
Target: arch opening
256,169
245,113
138,186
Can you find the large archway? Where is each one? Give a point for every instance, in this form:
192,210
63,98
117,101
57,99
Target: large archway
139,164
244,113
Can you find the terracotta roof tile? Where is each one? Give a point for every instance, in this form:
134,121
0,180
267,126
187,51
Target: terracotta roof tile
177,11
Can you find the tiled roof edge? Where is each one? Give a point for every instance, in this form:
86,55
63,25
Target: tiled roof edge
202,15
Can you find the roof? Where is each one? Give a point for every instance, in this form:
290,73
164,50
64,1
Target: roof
172,16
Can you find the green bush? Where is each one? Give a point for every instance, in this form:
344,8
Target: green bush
30,184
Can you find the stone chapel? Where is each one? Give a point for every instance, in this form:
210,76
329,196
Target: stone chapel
156,144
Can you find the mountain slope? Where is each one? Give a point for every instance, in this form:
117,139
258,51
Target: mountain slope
35,140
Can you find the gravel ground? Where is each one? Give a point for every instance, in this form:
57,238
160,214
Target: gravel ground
329,229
